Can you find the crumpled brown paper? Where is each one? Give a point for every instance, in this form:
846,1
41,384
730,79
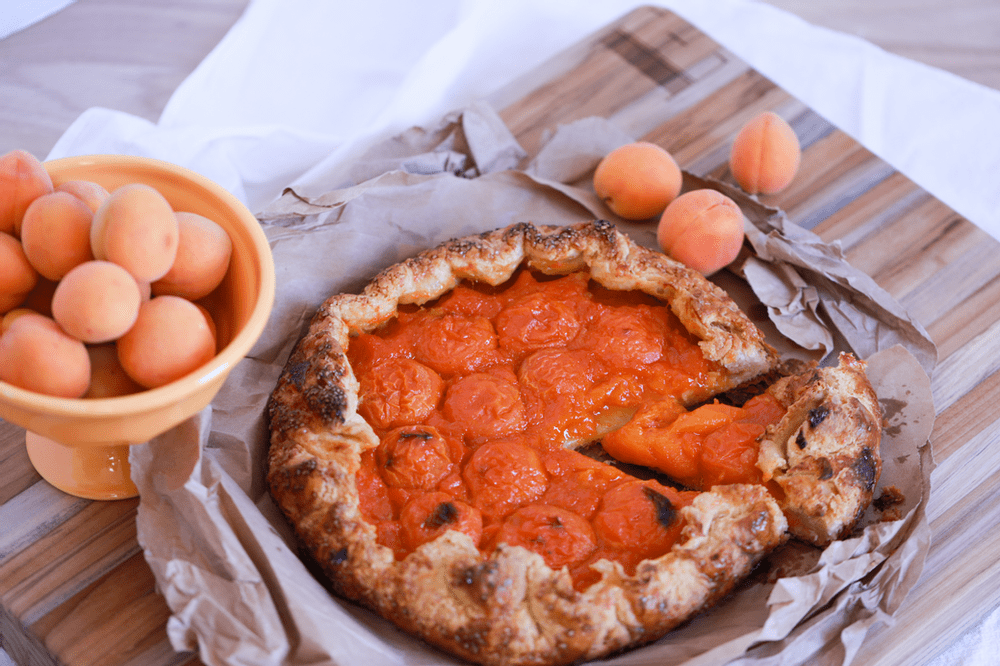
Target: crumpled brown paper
223,557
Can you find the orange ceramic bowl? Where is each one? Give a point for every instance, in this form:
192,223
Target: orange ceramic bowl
81,445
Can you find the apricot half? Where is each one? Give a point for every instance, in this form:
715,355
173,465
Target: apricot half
702,229
765,155
637,180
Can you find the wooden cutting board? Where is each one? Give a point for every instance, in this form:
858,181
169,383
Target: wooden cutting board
74,588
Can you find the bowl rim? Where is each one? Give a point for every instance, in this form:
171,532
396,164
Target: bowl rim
223,361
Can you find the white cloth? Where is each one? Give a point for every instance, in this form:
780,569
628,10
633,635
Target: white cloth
976,647
299,87
16,15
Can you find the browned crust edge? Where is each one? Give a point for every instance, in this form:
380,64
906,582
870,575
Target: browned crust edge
824,454
613,260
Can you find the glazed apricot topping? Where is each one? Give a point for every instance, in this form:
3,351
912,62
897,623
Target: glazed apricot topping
480,399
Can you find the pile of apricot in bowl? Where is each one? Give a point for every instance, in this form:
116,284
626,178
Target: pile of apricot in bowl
101,293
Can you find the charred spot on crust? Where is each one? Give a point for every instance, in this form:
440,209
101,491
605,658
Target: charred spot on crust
321,389
818,415
329,402
518,229
337,557
464,246
666,514
604,227
474,574
326,396
297,373
537,237
472,639
480,579
866,469
444,513
825,469
800,440
295,478
416,434
737,397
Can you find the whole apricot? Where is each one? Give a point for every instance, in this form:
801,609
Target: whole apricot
637,180
91,193
97,301
55,234
17,275
702,229
203,254
765,155
170,338
37,355
22,180
136,229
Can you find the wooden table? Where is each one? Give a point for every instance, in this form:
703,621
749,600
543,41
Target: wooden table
74,588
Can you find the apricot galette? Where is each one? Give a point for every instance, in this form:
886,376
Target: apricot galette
428,442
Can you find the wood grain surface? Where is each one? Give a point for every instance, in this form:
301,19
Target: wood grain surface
74,588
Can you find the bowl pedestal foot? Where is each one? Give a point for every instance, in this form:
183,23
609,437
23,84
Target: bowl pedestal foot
91,472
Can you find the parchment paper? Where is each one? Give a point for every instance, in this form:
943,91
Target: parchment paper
223,557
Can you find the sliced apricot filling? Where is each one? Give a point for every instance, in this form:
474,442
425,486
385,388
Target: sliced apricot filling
480,398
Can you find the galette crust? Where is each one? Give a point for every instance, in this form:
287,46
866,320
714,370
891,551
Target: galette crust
509,607
824,452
